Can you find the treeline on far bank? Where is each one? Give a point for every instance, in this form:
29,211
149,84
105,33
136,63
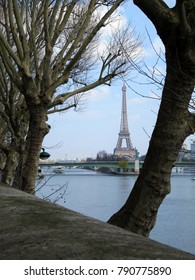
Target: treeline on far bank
104,156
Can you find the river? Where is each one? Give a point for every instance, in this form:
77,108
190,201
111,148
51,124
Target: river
99,196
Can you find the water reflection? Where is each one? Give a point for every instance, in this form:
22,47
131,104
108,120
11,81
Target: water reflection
100,196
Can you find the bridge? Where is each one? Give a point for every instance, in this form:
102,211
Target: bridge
185,164
109,164
92,164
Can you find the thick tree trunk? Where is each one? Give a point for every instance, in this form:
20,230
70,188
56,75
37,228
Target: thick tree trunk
17,182
8,171
38,128
172,127
174,123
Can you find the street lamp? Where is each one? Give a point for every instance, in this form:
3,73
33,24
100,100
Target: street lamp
44,155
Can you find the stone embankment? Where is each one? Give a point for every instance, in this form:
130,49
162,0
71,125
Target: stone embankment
34,229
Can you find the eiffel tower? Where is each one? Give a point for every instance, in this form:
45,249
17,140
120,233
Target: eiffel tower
124,135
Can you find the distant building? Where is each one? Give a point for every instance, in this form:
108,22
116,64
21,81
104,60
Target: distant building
192,150
185,154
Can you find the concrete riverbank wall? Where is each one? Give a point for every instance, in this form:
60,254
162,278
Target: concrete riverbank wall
31,228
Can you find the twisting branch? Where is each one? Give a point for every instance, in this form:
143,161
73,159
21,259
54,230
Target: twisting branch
184,26
65,108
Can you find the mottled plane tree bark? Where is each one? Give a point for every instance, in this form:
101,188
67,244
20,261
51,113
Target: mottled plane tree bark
176,28
3,130
45,45
14,126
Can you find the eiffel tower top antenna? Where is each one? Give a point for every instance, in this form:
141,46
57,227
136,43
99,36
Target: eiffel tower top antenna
124,135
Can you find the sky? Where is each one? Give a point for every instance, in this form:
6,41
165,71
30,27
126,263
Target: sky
78,135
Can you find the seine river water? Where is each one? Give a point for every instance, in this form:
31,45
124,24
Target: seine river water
99,196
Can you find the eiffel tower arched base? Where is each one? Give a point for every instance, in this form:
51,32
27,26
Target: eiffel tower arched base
125,153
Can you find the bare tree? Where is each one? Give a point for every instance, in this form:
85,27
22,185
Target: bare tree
14,125
175,121
45,45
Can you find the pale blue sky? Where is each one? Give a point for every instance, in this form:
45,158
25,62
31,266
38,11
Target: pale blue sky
84,134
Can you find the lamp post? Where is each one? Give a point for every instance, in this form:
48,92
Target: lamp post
44,155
